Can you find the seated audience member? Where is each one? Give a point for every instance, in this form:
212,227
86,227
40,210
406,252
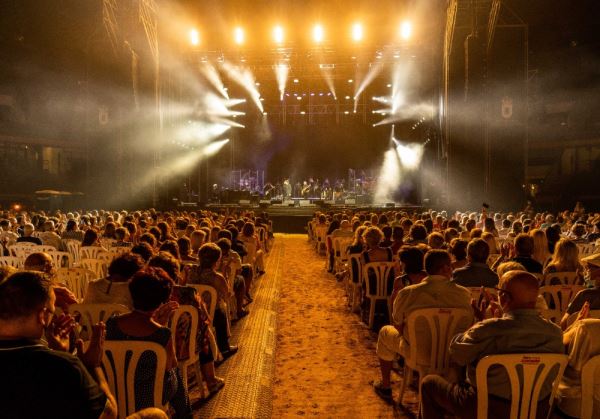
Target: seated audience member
582,344
185,250
435,291
90,238
72,232
397,239
40,378
387,236
417,234
591,295
49,236
114,288
7,236
206,273
250,239
144,250
565,258
374,252
41,262
541,250
523,253
476,273
595,233
121,236
236,244
171,247
578,233
27,235
334,225
520,330
436,241
411,261
458,250
230,266
149,289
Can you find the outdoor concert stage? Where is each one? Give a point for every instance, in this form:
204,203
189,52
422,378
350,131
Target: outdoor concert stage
293,216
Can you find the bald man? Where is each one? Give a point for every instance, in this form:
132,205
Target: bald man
520,330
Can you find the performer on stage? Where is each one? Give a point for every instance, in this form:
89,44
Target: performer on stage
287,189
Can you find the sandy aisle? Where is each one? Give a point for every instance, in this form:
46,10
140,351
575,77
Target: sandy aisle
325,357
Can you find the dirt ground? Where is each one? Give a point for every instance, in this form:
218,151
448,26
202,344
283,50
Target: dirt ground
325,356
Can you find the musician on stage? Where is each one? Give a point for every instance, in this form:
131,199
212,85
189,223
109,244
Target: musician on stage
287,189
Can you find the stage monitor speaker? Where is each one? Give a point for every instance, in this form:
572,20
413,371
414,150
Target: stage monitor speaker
390,205
264,203
350,201
276,201
244,202
318,202
330,202
304,202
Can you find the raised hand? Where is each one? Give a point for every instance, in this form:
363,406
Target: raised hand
163,313
57,332
91,357
64,297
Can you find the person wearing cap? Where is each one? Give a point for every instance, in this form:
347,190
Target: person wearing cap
591,265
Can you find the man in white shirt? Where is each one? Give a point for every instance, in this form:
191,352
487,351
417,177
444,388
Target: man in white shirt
49,236
435,291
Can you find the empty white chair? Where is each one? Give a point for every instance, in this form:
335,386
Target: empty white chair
443,324
377,277
75,279
119,363
61,259
193,357
558,297
98,266
534,369
13,261
90,314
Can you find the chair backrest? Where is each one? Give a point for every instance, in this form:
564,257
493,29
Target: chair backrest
106,242
586,249
553,315
45,248
590,378
443,324
560,278
90,314
98,266
13,261
592,314
61,259
534,370
24,249
492,258
90,252
384,272
119,250
186,310
73,247
119,363
75,279
355,268
212,304
340,245
559,296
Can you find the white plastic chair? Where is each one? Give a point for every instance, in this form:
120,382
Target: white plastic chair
590,377
560,278
13,261
354,279
384,272
90,314
212,306
443,325
119,363
61,259
586,249
553,315
321,243
90,252
45,248
340,245
559,296
23,249
73,247
534,368
193,357
75,279
97,266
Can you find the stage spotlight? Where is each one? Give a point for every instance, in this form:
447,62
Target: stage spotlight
238,36
357,32
194,37
318,33
405,30
296,81
278,34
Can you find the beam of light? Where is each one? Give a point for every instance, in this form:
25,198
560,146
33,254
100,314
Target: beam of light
281,73
357,32
239,36
212,76
389,177
366,81
194,37
211,106
413,111
200,132
228,122
318,33
327,71
214,147
245,79
406,30
410,155
278,34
